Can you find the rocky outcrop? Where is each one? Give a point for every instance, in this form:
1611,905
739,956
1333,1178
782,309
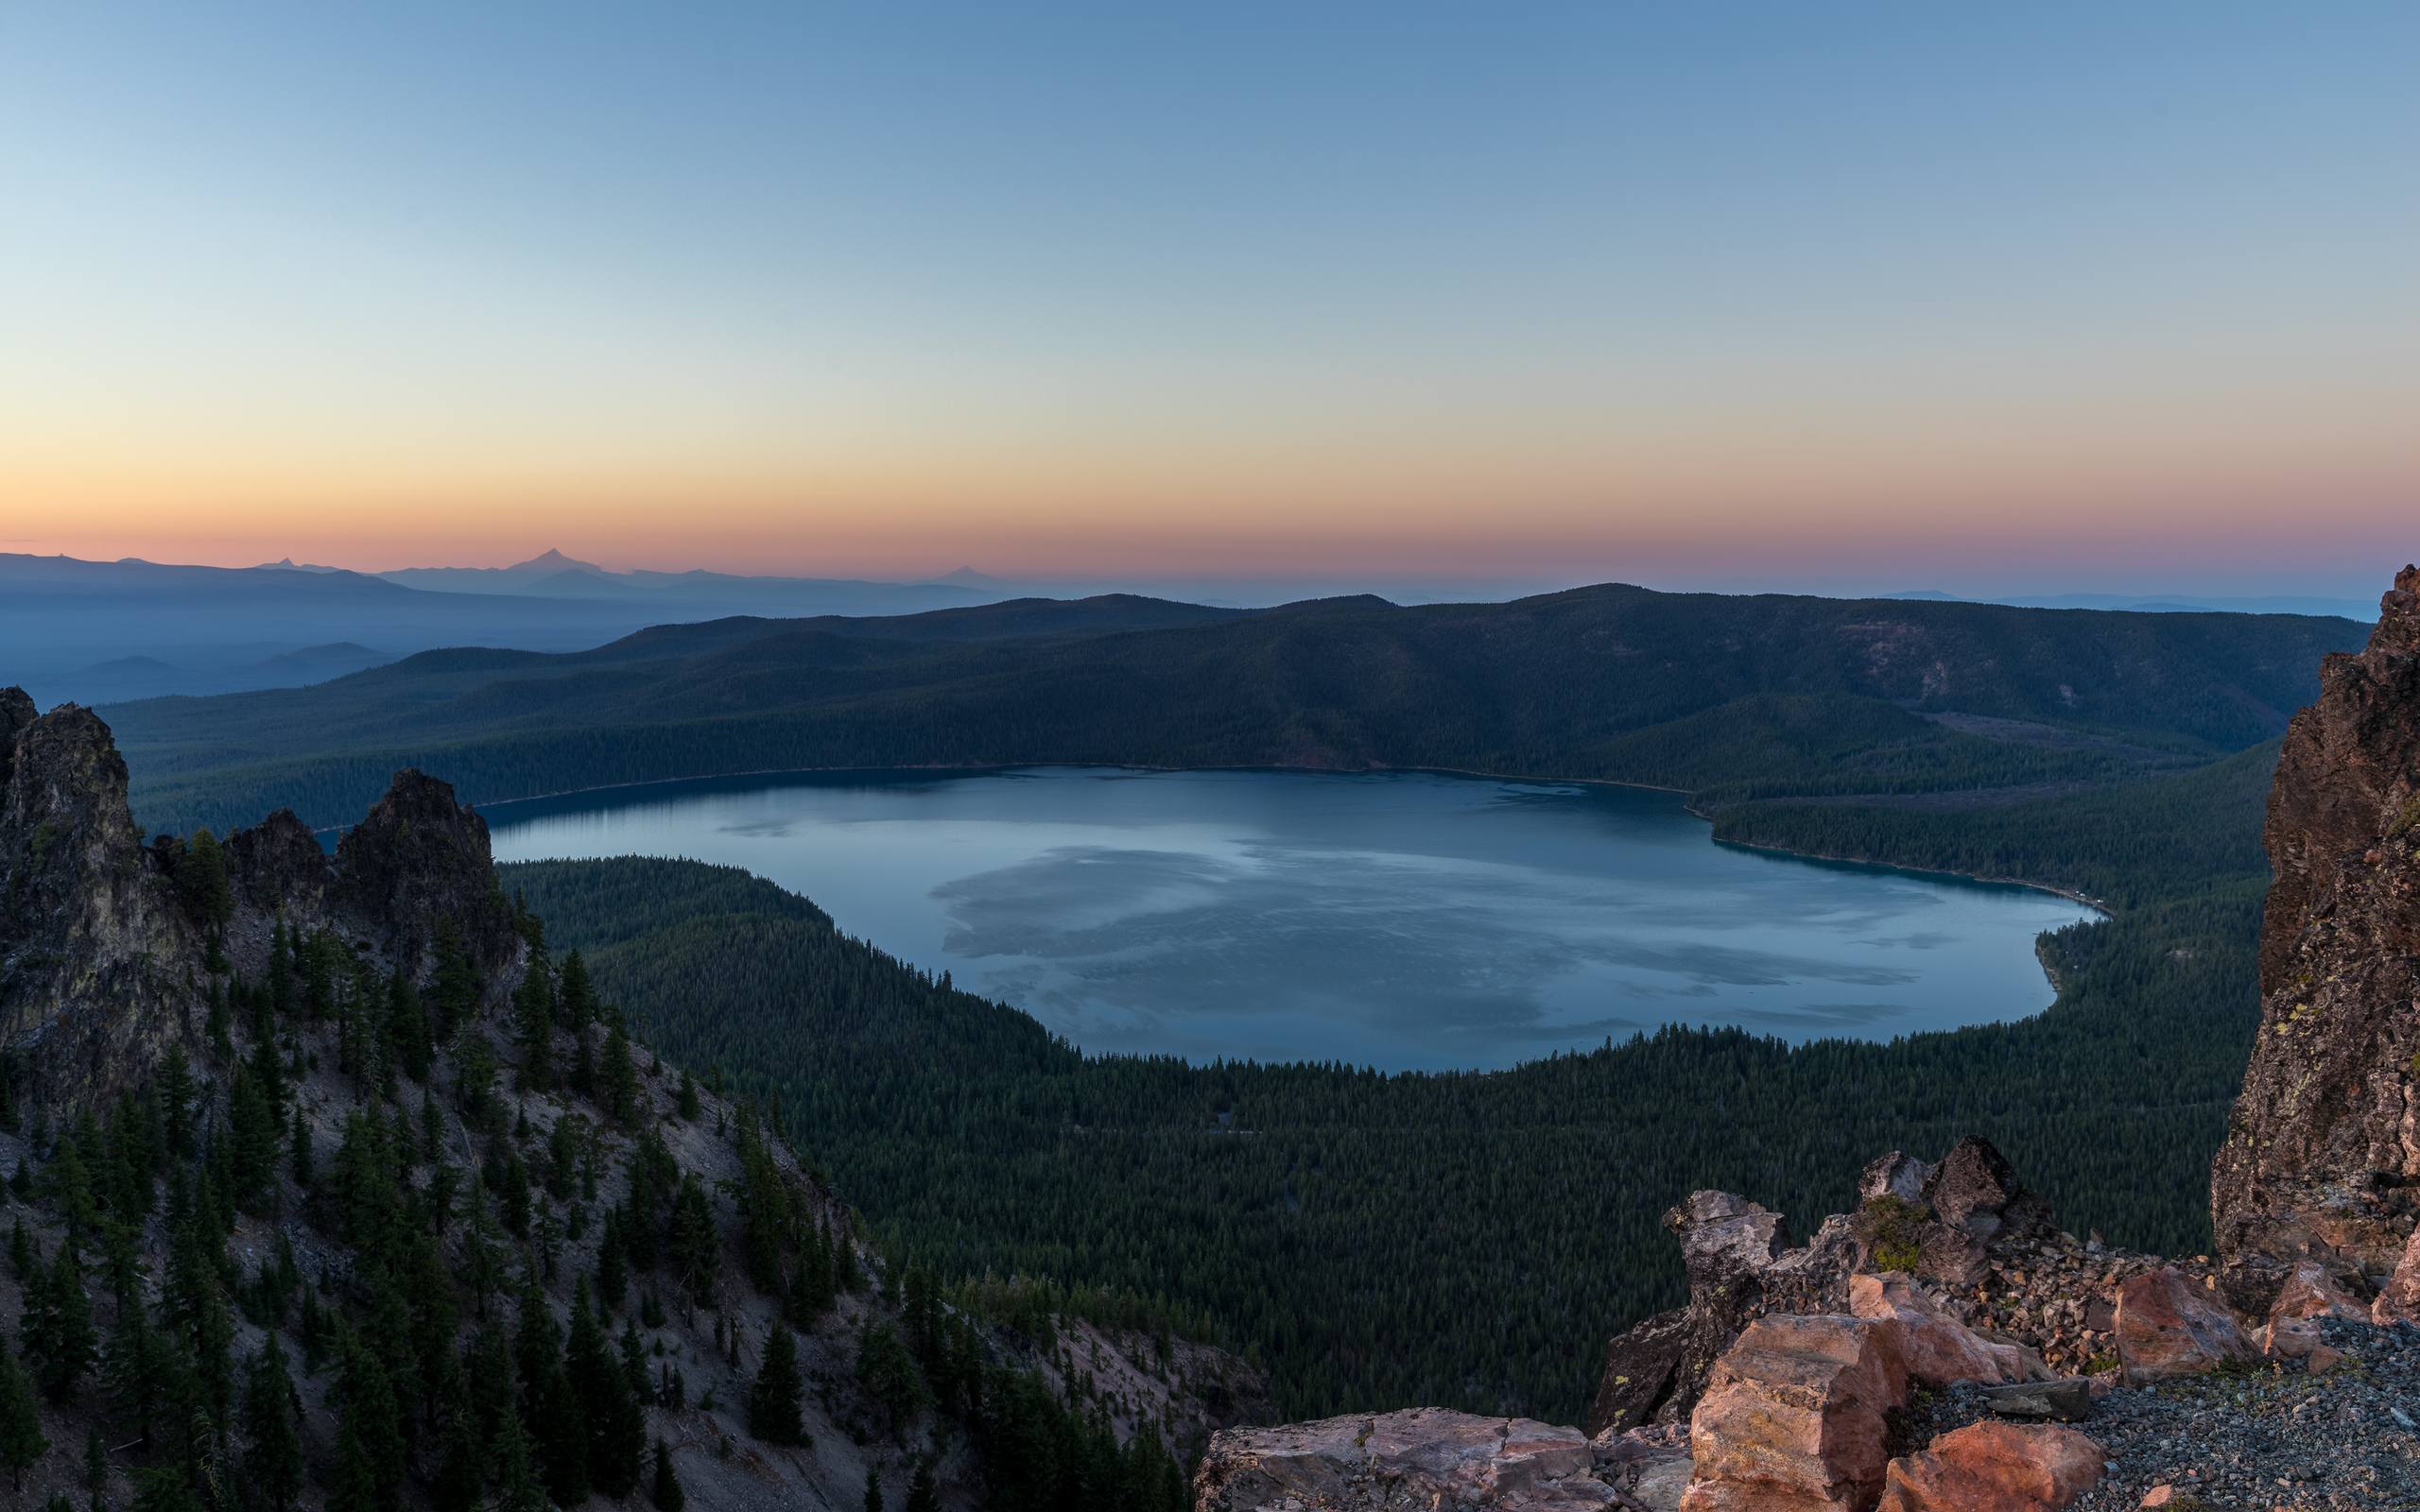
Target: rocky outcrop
1426,1457
103,959
1797,1416
2168,1327
1940,1350
1798,1413
1995,1467
100,969
1966,1228
2322,1160
419,859
278,865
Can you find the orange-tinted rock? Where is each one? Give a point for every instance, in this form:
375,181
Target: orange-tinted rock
2398,1301
1426,1457
1993,1467
2311,1292
1793,1417
2325,1106
2166,1326
1940,1350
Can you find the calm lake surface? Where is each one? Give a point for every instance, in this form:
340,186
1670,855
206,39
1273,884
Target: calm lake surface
1394,920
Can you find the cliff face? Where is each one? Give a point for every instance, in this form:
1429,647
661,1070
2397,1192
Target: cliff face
2322,1160
103,955
98,967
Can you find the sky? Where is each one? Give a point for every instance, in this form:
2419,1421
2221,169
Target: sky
1857,296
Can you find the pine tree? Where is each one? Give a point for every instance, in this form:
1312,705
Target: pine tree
617,1079
772,1400
58,1326
97,1461
136,1370
811,1284
616,1425
408,1027
560,1428
373,1422
697,1247
923,1495
873,1490
303,1173
517,1486
163,1488
533,1005
272,1449
21,1437
887,1371
194,1306
613,1264
666,1493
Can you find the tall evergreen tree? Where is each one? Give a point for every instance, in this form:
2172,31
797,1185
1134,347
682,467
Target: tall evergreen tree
59,1326
272,1448
21,1437
136,1372
665,1492
773,1399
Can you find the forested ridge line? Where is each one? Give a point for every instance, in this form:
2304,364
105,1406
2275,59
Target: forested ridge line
1735,698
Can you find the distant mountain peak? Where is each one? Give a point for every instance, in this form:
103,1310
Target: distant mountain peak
553,560
287,564
967,577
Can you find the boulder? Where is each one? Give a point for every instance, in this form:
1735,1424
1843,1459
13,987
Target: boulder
1426,1457
2310,1291
2068,1400
1794,1416
2398,1300
2166,1326
1642,1369
1939,1349
1976,1191
1896,1176
1654,1371
2307,1294
1994,1467
1647,1467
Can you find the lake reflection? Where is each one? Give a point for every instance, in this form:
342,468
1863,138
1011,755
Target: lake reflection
1394,920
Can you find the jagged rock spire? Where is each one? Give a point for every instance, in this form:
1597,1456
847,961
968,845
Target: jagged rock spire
2323,1153
98,967
101,966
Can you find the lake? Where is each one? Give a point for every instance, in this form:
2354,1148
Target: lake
1398,920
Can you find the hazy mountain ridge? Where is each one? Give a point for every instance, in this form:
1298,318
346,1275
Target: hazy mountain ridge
1692,691
217,630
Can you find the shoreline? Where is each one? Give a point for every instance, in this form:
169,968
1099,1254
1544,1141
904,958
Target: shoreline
2101,911
2096,905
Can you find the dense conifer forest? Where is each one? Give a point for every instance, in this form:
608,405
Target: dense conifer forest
1464,1240
1321,1215
376,1247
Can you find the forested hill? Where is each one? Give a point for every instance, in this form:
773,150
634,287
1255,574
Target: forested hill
1751,696
1465,1240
